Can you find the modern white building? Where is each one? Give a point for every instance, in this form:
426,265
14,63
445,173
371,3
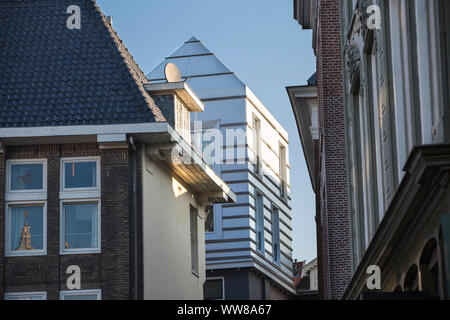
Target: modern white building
248,243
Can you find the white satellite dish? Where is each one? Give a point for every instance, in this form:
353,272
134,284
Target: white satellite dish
172,73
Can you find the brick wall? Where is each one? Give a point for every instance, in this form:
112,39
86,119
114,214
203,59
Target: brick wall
334,221
110,270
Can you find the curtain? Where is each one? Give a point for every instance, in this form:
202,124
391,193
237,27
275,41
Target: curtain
34,216
81,225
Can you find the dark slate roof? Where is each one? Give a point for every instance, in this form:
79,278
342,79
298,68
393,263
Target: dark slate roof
53,76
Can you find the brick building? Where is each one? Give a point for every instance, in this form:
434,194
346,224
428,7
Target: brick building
101,193
319,111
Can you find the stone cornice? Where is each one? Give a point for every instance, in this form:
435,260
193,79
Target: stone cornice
427,168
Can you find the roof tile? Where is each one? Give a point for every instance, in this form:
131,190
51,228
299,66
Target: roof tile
53,76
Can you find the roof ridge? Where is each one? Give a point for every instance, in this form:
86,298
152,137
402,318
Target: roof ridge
135,71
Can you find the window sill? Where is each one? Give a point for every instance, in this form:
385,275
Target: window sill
26,253
26,196
80,251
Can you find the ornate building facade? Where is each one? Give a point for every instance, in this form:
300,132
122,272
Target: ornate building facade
397,126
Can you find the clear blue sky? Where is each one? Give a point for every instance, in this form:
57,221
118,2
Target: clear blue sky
259,41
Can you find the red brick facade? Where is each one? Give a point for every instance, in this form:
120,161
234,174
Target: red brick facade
333,229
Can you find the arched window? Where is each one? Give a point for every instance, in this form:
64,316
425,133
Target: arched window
429,269
411,280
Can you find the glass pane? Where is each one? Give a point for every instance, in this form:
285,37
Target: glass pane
86,296
213,289
27,228
26,176
80,174
81,226
209,223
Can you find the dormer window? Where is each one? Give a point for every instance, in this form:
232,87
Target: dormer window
176,100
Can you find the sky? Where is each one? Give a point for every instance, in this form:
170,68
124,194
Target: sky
259,41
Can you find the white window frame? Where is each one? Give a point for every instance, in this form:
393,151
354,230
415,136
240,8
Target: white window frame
35,194
14,253
41,294
223,285
63,294
195,261
214,220
78,193
62,249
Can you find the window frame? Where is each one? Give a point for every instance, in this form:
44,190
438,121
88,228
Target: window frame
42,294
62,249
276,236
64,293
195,260
34,194
84,192
214,220
26,253
259,223
223,287
257,145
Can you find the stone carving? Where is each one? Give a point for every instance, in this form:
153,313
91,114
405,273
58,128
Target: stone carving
366,33
353,63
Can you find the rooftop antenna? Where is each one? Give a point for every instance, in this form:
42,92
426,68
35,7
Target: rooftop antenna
172,73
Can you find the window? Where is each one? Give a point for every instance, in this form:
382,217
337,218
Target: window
260,223
26,179
283,172
80,206
183,120
209,223
276,235
194,240
26,212
80,177
81,295
26,295
257,144
26,229
80,226
214,289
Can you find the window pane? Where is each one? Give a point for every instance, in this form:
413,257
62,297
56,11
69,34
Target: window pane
81,226
213,289
26,228
209,223
26,176
194,240
80,174
87,296
24,297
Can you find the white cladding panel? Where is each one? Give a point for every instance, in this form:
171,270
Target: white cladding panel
191,48
226,98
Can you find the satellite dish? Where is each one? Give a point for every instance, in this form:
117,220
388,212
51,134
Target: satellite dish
172,73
